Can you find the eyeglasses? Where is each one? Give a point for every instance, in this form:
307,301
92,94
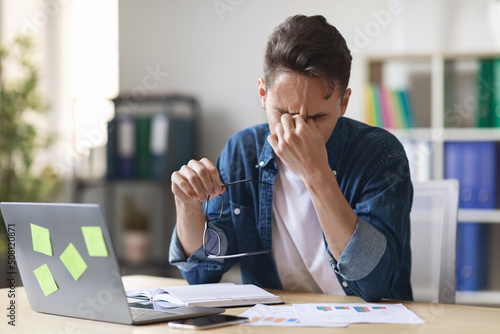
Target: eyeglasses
212,239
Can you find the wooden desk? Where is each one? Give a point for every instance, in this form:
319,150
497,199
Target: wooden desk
439,318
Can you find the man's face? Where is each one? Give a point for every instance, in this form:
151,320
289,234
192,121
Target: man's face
298,94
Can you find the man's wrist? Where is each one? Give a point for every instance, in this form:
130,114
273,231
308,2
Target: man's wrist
187,206
318,177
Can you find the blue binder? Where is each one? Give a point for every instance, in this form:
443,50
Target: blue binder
182,142
487,192
472,256
474,164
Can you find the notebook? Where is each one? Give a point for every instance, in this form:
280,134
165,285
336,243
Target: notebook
68,266
211,294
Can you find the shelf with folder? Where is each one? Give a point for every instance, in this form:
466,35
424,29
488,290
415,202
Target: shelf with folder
148,139
471,96
474,164
151,138
457,103
443,87
397,92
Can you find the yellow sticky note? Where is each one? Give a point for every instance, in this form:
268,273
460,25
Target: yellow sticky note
45,279
41,239
73,261
96,246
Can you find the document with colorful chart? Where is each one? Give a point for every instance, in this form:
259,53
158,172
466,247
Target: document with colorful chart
278,316
326,314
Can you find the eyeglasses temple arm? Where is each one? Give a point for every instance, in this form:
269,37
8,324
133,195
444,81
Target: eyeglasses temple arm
247,180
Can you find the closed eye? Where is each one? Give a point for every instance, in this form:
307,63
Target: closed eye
284,111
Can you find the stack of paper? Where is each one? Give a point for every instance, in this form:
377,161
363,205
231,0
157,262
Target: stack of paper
212,295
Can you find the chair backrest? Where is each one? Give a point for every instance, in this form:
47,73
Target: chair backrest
433,240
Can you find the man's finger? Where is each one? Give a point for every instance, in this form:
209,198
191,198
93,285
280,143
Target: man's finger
204,176
299,120
287,122
194,180
214,175
280,132
182,188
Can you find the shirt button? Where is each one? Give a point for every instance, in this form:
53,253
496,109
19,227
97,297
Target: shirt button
237,211
344,284
261,163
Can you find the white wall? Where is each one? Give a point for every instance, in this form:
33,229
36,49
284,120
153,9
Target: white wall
217,56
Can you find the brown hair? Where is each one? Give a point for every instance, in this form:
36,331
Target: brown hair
309,46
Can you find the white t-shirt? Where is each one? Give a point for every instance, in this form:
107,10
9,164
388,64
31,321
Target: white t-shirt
298,247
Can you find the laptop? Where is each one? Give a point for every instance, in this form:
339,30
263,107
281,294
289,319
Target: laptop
68,266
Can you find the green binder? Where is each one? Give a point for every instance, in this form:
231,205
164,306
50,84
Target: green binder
495,107
143,128
484,94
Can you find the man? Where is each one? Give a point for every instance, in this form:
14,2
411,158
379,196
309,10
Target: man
327,208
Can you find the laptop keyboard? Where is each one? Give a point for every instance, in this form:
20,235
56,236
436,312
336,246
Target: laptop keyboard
140,314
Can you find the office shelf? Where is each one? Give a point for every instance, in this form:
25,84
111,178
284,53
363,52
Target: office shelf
479,216
478,298
443,86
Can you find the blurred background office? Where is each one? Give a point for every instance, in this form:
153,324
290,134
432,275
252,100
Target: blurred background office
115,95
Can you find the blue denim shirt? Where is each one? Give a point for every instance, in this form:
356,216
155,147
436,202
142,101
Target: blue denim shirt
373,174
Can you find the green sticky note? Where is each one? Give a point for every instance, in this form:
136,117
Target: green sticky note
73,261
96,246
41,239
45,279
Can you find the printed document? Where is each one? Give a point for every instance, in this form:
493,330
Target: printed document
329,315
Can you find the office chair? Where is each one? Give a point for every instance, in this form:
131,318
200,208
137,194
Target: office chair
434,218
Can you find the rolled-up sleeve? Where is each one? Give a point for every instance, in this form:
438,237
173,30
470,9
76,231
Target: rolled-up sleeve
177,257
362,254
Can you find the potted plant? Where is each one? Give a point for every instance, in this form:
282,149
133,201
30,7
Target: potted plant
19,138
136,235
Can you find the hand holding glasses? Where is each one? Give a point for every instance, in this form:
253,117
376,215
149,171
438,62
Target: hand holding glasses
214,249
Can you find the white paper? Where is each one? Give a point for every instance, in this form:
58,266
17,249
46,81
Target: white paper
277,316
158,305
154,295
325,314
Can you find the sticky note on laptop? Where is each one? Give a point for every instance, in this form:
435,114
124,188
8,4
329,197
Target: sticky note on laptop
73,261
41,239
94,239
45,279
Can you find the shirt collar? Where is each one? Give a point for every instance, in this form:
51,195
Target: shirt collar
335,145
267,154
